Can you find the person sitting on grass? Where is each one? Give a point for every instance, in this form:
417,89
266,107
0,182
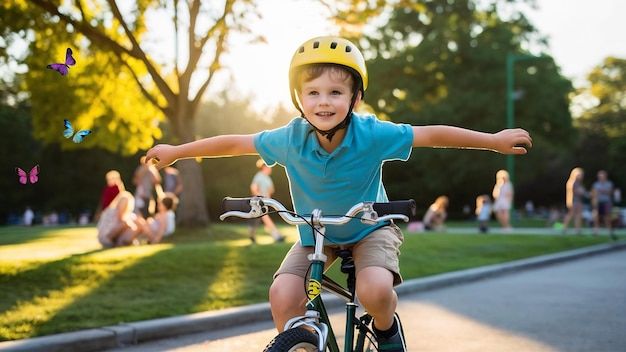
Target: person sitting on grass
163,223
435,217
118,221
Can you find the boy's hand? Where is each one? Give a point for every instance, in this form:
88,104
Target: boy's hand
161,155
512,141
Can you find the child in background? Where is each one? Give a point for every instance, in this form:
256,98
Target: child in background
163,224
483,212
263,186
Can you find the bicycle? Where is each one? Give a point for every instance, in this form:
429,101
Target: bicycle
313,331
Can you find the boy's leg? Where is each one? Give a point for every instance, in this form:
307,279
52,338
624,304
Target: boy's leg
377,265
287,293
287,299
376,294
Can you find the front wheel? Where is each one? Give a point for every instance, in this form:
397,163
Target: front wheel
293,340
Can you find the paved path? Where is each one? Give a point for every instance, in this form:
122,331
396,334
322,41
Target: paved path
573,306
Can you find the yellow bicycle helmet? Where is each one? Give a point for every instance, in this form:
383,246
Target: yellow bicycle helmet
329,50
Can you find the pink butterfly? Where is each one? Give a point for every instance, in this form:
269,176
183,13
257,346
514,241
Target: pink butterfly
32,175
64,67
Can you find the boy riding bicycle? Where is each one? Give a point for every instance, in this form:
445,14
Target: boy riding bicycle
333,158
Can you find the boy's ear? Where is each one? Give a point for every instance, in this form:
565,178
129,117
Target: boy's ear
359,95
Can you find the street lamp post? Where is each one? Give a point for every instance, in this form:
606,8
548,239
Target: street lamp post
510,103
510,107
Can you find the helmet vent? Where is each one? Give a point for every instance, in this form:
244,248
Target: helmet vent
333,45
348,48
301,50
316,45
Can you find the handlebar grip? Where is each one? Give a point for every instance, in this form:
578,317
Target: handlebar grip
236,204
405,207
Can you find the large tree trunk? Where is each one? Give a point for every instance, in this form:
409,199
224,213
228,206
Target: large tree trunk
192,211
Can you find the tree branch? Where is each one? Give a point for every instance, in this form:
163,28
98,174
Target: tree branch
167,110
138,53
102,39
221,27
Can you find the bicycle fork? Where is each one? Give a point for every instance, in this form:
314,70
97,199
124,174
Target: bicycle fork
316,314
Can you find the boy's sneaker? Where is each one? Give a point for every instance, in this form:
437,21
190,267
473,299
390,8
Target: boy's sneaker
395,343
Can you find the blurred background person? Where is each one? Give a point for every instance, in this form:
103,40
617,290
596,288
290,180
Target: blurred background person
114,185
263,186
163,223
575,193
28,217
435,217
483,212
147,181
602,200
118,221
503,199
173,183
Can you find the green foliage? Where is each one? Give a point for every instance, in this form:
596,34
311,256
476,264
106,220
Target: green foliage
603,124
97,94
444,63
118,89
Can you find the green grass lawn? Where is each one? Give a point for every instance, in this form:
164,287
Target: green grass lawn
58,279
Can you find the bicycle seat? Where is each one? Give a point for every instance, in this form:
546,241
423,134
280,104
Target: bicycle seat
347,263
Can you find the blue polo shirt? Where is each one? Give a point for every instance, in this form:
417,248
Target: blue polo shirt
334,182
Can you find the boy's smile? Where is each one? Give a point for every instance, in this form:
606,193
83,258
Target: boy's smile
326,99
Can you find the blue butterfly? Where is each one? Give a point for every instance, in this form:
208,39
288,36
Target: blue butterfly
69,131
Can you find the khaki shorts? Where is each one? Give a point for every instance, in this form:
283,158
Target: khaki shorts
380,248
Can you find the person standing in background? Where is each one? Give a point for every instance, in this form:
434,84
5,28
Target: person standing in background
601,198
503,199
28,217
147,181
263,186
483,212
173,184
574,193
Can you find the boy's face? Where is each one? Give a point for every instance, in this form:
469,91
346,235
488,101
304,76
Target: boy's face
326,99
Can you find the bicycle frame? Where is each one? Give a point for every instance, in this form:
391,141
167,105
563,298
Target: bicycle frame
316,316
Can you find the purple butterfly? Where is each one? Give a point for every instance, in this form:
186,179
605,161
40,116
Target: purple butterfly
64,67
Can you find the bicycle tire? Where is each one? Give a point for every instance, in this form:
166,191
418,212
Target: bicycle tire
293,340
370,344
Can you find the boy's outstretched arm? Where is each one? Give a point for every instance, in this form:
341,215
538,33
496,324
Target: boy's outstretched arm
219,146
509,141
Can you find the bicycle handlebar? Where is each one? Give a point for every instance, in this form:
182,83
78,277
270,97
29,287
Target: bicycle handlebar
372,212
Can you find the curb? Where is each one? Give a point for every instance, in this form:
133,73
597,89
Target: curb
110,337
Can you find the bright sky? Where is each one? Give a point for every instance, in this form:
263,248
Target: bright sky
581,34
262,69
